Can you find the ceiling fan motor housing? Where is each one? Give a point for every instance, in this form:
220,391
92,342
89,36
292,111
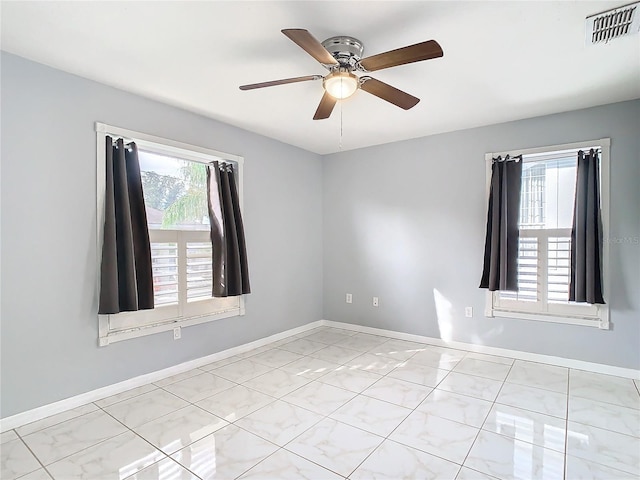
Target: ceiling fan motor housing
346,50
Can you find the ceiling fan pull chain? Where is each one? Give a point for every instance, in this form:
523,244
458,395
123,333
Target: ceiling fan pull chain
340,126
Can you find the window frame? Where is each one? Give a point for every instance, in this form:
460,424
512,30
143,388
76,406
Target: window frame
107,332
566,314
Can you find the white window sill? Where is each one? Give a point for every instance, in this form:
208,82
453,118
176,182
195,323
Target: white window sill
598,322
107,336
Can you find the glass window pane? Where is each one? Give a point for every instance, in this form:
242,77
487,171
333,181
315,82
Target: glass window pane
175,192
548,192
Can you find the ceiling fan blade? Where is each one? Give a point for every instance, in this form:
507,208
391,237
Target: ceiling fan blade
280,82
388,93
325,108
309,44
401,56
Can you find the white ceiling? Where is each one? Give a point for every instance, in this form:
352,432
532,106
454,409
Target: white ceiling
502,60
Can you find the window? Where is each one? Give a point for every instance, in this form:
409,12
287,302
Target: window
174,186
546,218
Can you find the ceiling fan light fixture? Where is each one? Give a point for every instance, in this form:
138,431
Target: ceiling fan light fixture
340,84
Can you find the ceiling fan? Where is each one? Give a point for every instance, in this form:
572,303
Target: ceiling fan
342,56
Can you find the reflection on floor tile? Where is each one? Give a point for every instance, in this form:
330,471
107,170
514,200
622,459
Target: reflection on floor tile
336,354
235,403
438,436
167,469
438,357
146,407
284,465
310,367
319,397
504,457
277,383
334,445
118,457
372,415
199,386
279,422
353,380
532,427
58,441
275,357
241,371
490,358
470,385
397,349
399,392
373,363
393,461
411,371
227,453
534,399
333,404
482,368
361,341
460,408
176,430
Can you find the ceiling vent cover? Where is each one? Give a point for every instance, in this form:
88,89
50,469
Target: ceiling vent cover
618,22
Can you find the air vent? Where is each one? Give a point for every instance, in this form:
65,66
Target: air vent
619,22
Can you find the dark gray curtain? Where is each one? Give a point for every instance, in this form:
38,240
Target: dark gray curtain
501,244
126,274
586,234
230,270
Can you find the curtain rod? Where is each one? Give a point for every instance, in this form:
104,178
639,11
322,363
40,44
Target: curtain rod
520,156
508,158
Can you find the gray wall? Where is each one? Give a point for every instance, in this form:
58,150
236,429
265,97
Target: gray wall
402,221
49,257
406,222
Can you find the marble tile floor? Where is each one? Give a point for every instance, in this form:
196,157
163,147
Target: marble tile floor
336,404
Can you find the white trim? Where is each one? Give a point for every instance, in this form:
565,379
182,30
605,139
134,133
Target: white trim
503,352
567,320
603,311
163,146
172,146
39,413
564,146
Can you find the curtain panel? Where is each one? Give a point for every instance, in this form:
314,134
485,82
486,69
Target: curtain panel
586,235
230,267
500,270
126,274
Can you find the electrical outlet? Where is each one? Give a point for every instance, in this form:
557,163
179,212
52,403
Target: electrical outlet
468,312
349,298
177,333
375,301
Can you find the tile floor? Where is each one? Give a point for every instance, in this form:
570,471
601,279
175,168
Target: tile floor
335,404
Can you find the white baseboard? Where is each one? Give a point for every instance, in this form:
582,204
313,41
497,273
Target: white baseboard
44,411
39,413
504,352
